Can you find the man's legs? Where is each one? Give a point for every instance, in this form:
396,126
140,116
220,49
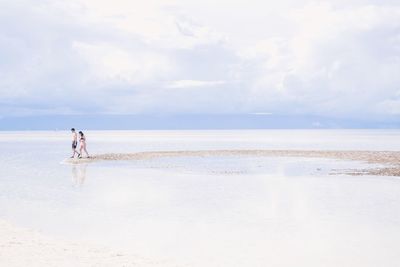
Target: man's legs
74,150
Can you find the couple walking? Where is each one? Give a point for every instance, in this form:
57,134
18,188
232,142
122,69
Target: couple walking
82,141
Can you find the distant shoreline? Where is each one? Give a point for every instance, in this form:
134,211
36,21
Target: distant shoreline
212,121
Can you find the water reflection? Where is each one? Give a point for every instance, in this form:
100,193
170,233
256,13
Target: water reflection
78,174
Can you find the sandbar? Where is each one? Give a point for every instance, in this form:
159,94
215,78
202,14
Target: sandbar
389,161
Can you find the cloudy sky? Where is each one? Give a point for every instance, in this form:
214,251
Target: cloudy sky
336,58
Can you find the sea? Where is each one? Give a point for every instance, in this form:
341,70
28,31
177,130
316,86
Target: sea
208,211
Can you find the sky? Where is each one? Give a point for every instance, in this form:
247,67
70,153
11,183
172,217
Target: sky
334,58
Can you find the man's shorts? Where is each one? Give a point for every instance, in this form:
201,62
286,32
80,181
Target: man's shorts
74,144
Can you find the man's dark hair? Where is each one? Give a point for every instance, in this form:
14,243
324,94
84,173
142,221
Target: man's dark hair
73,129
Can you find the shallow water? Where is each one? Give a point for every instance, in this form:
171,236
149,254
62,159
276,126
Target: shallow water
216,211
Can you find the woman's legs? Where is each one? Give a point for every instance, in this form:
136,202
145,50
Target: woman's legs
84,148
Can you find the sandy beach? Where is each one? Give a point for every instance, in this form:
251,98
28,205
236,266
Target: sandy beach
23,247
390,160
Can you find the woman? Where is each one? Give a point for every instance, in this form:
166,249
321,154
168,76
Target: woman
82,140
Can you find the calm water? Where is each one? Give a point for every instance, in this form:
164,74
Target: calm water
217,211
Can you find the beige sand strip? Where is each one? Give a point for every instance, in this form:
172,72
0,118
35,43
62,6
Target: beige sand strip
390,160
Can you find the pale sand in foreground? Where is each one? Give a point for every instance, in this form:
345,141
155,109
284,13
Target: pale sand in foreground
22,247
390,160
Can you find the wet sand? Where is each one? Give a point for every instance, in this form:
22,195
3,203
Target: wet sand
389,160
23,247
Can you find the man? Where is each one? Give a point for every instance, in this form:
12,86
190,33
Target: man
74,143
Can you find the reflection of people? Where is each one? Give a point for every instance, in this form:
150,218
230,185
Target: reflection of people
78,174
74,143
82,140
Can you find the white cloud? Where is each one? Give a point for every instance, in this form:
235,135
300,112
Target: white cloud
337,58
193,83
107,62
338,61
391,107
